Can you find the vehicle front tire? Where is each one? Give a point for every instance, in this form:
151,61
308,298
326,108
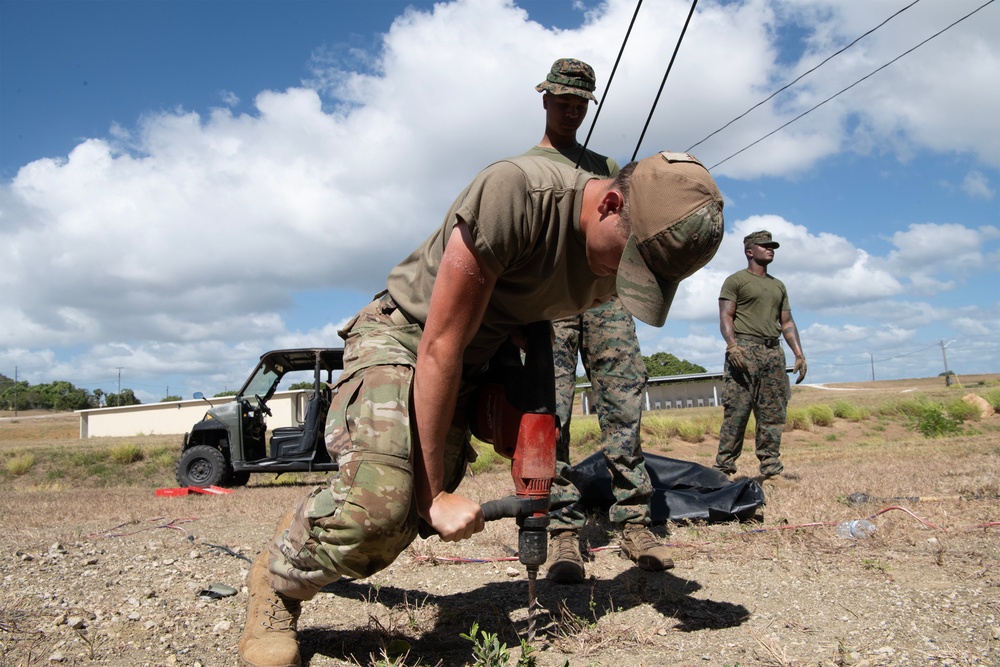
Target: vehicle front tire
201,466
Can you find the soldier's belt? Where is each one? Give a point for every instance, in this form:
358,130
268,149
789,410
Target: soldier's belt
395,313
760,340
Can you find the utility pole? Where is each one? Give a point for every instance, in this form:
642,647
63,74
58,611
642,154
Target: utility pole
15,391
119,401
944,355
873,365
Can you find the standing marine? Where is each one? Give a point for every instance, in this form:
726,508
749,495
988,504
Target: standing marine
604,337
753,311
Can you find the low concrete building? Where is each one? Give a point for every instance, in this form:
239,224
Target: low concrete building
177,417
670,392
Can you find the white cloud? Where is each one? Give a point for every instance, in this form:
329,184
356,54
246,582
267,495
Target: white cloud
927,251
977,184
188,235
820,271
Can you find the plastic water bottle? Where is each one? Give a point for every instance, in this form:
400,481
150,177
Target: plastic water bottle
857,529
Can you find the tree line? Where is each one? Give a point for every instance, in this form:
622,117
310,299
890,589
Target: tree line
59,395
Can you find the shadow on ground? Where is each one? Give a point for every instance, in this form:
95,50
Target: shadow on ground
501,608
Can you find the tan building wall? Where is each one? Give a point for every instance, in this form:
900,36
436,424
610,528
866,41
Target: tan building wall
177,417
670,393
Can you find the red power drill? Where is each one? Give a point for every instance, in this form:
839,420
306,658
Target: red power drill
515,412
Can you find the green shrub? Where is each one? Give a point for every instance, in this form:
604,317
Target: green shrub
712,422
932,422
164,457
959,410
127,453
820,414
89,458
913,408
490,652
849,411
993,398
19,465
585,433
798,418
690,431
656,426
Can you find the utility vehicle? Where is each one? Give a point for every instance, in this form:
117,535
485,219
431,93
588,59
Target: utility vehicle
232,440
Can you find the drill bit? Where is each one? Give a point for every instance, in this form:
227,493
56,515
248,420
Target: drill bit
532,601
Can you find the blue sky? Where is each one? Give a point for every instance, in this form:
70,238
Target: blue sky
184,185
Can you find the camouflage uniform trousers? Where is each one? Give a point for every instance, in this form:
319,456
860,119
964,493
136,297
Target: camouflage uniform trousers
764,391
366,516
605,337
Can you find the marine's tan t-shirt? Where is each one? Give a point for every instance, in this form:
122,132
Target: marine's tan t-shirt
524,217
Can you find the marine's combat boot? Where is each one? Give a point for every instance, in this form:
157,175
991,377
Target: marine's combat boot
639,544
269,635
567,562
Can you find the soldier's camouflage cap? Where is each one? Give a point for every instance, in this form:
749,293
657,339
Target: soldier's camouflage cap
570,76
761,238
676,215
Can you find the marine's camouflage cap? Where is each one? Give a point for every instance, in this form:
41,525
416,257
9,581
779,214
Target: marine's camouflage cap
570,76
676,215
761,238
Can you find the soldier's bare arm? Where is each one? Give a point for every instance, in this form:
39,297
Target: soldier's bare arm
461,293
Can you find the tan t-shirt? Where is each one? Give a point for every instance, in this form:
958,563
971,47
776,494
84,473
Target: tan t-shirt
524,217
595,163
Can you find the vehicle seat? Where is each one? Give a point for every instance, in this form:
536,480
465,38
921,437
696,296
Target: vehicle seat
299,442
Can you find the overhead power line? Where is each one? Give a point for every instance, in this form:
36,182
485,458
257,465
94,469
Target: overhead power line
870,74
803,75
677,47
670,65
879,361
607,89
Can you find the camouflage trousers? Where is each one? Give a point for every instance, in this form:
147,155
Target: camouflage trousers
366,516
605,339
763,391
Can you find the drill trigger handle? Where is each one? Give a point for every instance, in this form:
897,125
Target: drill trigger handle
515,507
508,507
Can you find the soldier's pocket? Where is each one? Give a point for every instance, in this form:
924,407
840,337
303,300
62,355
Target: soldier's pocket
371,413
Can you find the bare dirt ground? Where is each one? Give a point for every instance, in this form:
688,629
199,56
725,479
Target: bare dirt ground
113,576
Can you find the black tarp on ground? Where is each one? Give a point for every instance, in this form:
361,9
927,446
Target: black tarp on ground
682,490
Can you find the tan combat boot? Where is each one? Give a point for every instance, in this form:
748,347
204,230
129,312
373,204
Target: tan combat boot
269,632
567,562
269,637
639,544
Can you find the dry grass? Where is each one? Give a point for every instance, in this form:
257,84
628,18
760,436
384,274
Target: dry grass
948,488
